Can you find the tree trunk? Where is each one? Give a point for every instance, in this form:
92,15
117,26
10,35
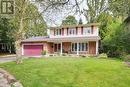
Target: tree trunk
18,52
20,36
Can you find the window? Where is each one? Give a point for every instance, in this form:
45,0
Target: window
82,47
86,31
57,32
71,31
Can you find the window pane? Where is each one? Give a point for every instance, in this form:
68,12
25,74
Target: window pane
83,47
72,46
79,46
72,31
60,32
75,46
88,30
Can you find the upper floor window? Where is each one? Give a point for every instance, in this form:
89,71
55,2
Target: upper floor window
57,32
71,31
86,31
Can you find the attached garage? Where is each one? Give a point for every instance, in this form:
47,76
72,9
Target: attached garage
32,50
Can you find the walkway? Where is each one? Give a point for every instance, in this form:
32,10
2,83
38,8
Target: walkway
7,80
7,58
3,81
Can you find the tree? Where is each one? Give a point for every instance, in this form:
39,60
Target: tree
120,8
70,20
4,35
36,24
4,29
105,19
80,21
25,14
94,9
111,42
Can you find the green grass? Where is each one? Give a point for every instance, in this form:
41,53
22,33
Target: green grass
70,72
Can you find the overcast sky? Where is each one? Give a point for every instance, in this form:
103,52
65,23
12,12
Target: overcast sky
54,19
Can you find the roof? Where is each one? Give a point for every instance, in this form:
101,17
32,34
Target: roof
63,39
73,26
35,39
74,39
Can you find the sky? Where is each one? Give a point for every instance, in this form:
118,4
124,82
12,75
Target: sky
55,19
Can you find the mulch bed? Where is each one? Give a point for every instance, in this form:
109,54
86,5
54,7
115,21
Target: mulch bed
128,64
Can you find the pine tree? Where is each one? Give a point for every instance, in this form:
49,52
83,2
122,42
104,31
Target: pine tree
80,21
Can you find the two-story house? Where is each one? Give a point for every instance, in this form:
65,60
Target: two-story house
77,39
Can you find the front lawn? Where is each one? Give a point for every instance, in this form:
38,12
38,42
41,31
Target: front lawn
70,72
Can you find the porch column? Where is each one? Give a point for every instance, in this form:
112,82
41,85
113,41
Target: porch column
61,49
97,44
77,48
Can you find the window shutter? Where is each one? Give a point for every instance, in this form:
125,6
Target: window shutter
92,27
62,31
54,32
81,30
67,30
76,30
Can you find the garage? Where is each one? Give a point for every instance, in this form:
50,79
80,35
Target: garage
32,50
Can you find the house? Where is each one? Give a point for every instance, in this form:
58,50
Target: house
74,39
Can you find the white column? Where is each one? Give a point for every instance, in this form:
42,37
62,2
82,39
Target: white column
61,49
97,45
77,48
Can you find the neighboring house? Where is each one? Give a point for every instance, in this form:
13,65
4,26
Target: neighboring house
78,39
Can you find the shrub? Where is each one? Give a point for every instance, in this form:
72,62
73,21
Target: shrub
103,56
44,52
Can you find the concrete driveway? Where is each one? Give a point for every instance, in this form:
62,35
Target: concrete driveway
4,59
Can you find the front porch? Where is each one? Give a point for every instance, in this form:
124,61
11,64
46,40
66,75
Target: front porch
73,48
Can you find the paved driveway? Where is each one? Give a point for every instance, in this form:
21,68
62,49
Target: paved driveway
7,59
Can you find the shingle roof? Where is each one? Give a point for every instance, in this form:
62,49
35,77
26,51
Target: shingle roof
47,39
72,26
33,39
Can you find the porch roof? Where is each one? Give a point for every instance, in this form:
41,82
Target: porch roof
74,39
62,39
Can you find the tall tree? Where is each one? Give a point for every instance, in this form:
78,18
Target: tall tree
105,19
4,29
94,9
70,20
36,24
24,14
120,8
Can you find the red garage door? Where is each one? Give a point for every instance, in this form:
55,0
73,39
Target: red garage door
33,50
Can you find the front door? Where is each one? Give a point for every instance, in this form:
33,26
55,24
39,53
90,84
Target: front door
92,47
57,47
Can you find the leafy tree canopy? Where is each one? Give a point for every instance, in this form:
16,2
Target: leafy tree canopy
70,20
